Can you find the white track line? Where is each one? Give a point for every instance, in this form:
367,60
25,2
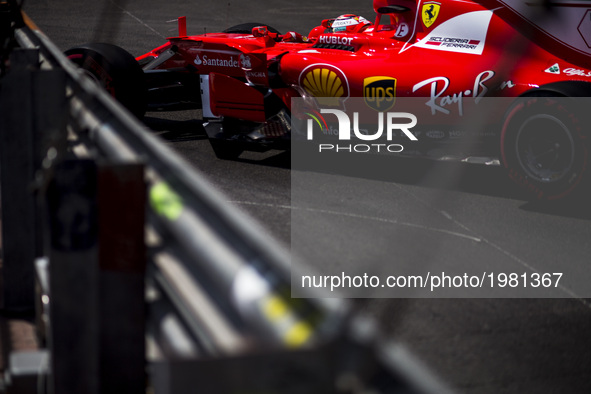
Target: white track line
495,246
475,238
357,216
137,19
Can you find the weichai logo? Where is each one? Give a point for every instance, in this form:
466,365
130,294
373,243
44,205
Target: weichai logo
384,127
379,92
326,83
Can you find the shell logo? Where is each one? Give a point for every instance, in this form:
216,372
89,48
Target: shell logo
325,82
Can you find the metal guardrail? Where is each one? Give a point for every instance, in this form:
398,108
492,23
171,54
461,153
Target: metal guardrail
220,315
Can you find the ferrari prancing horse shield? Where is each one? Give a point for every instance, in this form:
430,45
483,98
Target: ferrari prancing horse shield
430,12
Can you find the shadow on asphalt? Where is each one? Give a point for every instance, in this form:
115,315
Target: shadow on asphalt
487,180
277,159
176,130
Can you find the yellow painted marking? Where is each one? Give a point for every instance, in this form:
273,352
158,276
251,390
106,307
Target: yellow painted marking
275,308
29,22
298,335
165,201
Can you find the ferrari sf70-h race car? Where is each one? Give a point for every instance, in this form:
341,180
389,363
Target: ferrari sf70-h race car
448,52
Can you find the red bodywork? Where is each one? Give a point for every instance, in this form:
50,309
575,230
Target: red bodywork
449,53
447,50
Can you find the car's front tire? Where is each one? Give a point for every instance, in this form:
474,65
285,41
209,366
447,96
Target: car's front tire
544,146
116,70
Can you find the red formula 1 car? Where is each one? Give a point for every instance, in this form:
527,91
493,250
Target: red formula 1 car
449,52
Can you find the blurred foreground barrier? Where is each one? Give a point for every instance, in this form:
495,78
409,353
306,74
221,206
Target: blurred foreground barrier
194,279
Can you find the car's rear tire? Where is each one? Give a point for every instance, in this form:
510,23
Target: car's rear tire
544,147
116,70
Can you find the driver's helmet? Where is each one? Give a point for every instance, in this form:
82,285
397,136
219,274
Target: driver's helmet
350,23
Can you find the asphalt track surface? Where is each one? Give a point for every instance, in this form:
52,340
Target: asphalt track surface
475,345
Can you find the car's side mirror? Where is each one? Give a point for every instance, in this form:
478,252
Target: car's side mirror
260,31
327,23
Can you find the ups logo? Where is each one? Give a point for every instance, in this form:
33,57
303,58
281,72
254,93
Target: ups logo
379,92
